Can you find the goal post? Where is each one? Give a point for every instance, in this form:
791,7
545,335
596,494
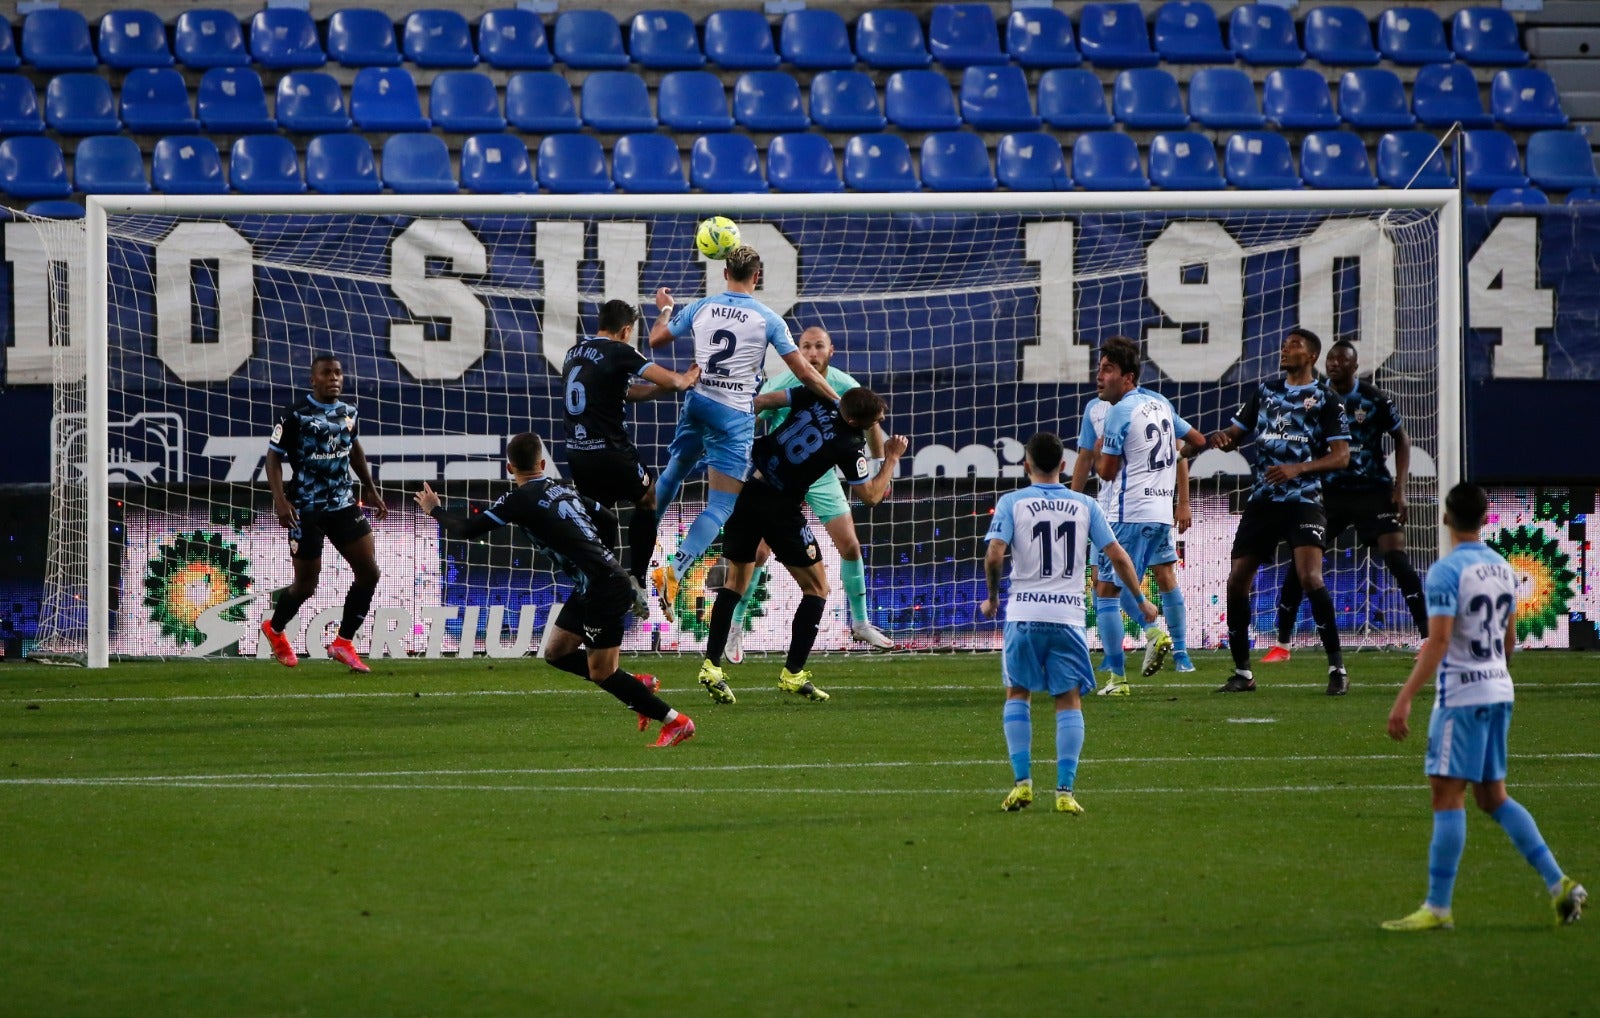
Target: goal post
976,315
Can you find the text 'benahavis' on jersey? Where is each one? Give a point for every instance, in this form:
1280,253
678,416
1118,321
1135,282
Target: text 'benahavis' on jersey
1292,424
316,439
1371,414
1478,587
813,440
595,378
1142,428
1050,530
731,332
560,522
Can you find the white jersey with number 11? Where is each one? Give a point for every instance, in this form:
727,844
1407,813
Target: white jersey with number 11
1050,530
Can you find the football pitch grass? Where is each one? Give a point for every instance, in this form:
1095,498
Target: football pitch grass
493,838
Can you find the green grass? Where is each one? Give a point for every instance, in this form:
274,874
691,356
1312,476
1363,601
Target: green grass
493,838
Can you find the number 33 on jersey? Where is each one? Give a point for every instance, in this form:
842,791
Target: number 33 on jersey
1049,529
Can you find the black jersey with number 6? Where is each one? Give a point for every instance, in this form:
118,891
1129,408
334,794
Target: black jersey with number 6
595,378
812,441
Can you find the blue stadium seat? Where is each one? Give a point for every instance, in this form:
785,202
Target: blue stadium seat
415,163
1335,159
232,100
1041,37
648,164
815,40
1260,161
1413,159
1443,94
1373,98
1108,161
467,102
1224,97
726,164
664,40
540,102
589,40
997,99
920,100
1187,32
1507,197
1263,35
285,38
386,99
187,165
1340,36
311,101
155,100
1147,98
1583,194
1526,98
265,164
341,164
32,166
209,38
803,163
616,101
956,161
964,35
57,39
740,41
846,101
109,164
52,208
438,38
1413,36
10,59
769,101
1487,36
692,102
878,163
1115,35
19,106
514,40
1072,98
497,164
362,37
130,39
1298,98
1031,161
890,39
1560,160
1490,160
1184,161
80,103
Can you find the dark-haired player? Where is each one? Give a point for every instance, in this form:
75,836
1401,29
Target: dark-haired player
560,522
317,436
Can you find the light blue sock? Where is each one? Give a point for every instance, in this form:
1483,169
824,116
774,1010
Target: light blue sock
1108,620
1444,855
667,485
704,530
1519,823
1069,746
1172,607
1018,724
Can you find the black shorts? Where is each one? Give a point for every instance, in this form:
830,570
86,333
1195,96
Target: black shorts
608,476
1265,524
1371,512
600,614
764,514
342,527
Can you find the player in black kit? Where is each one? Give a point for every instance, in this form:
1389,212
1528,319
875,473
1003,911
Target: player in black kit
816,437
597,384
561,523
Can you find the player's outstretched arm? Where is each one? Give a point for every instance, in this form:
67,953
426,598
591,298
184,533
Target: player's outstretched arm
774,400
370,495
454,524
994,560
1192,443
1424,668
876,489
1080,469
809,376
663,382
1181,514
660,334
1227,439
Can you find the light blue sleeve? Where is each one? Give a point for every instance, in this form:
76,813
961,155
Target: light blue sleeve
1443,586
1000,523
682,321
1086,435
778,334
1118,421
1100,533
1180,427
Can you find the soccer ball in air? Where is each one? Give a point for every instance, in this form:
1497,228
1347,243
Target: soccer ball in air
717,236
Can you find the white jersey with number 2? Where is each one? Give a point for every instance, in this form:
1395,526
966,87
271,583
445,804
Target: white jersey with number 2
1050,530
731,332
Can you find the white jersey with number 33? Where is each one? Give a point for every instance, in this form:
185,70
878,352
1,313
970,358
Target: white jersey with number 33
731,332
1050,530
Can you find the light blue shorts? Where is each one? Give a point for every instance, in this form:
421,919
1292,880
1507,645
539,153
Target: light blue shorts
1047,657
1147,544
1469,742
715,433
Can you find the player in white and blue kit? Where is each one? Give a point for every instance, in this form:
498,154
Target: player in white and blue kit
731,332
1472,601
1048,530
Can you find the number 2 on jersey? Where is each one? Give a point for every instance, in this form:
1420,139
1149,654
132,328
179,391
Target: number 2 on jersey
1067,529
726,343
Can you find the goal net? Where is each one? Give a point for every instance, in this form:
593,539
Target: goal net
978,319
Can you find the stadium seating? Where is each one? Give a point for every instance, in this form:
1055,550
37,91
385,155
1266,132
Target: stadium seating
19,106
997,99
203,39
692,102
740,41
964,35
589,40
187,165
1297,98
1413,36
956,161
1517,196
1490,161
1487,36
109,164
1443,94
1525,98
725,164
664,40
514,40
1373,98
386,99
231,100
10,59
1187,32
1114,35
1339,36
311,101
362,37
497,164
415,163
466,102
616,101
1031,161
130,39
1264,35
1041,37
1184,161
891,39
804,163
1072,98
52,208
341,164
80,103
1147,98
846,101
1335,159
648,164
285,38
1579,194
438,38
1561,161
265,164
878,162
920,100
155,100
32,166
1260,161
1413,159
1107,161
57,39
1224,97
540,102
769,101
815,40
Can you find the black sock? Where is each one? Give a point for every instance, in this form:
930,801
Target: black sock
357,602
635,695
288,604
574,661
1327,624
1239,628
721,622
1410,584
641,542
803,633
1289,596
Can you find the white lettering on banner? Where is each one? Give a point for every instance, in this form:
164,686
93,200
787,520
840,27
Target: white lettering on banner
1217,301
31,358
621,249
1056,357
393,457
558,248
448,356
1504,295
176,256
1330,243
